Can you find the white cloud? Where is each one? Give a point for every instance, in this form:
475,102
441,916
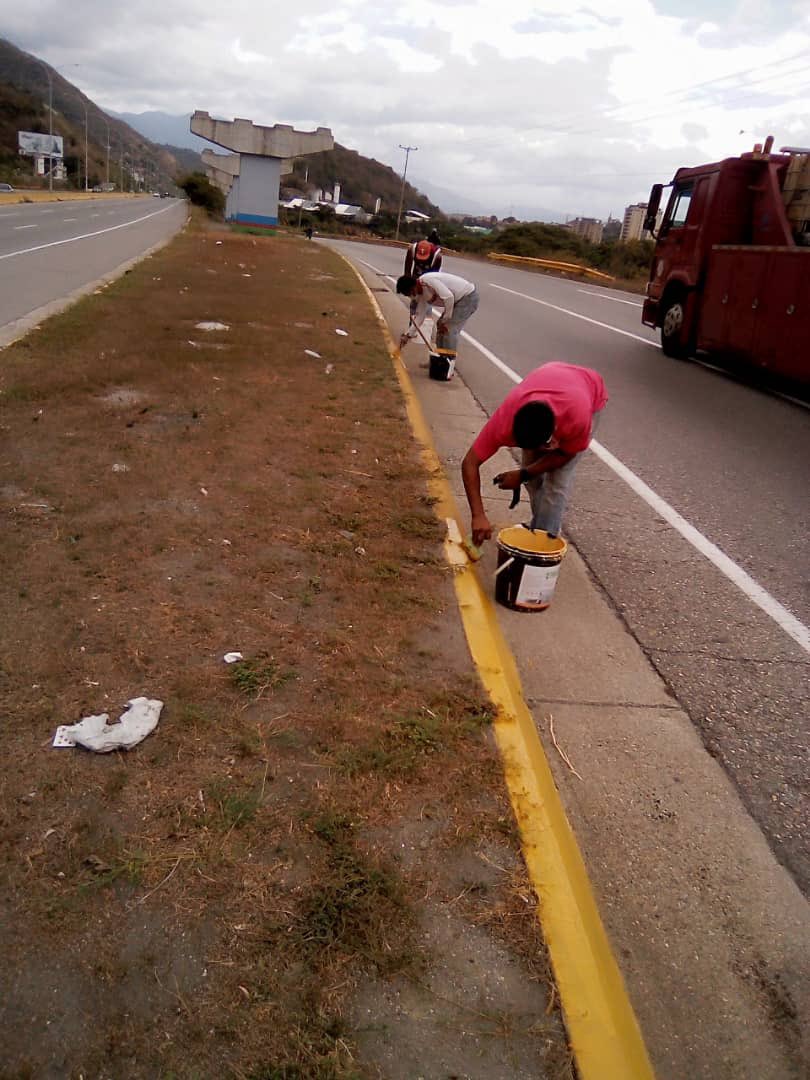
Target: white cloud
555,103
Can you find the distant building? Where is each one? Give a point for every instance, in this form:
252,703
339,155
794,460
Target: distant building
589,228
633,224
612,229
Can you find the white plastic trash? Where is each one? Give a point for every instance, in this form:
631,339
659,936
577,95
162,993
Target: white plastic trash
96,733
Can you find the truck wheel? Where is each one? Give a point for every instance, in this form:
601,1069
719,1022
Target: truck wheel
672,343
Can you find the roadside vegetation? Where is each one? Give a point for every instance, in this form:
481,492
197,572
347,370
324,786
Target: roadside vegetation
201,192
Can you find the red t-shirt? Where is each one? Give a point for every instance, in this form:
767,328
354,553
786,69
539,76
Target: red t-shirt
573,393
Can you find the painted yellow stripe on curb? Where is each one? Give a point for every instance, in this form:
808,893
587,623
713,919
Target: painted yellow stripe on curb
604,1033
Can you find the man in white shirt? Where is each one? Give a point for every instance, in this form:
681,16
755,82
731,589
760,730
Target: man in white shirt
457,297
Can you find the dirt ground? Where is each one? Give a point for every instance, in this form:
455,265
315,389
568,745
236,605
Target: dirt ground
310,869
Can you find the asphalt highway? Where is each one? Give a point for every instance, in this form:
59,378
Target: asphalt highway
728,463
48,250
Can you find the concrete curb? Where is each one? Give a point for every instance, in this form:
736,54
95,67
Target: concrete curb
605,1035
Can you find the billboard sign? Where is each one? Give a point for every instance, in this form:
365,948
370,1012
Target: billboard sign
39,144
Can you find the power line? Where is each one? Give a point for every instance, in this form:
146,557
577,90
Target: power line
727,103
562,126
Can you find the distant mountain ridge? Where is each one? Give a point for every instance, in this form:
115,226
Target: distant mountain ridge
165,129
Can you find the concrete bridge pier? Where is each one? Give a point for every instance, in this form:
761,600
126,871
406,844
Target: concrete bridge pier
261,155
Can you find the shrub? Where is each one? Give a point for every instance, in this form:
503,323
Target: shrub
203,193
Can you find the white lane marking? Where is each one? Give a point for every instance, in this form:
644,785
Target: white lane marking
382,273
576,315
736,575
18,227
615,299
784,618
47,211
69,219
84,236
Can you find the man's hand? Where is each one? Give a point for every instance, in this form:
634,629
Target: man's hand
442,327
480,528
403,340
508,481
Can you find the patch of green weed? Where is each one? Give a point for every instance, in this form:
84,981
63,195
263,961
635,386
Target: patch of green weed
257,674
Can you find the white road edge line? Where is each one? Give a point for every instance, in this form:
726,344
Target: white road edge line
615,299
785,619
576,315
18,227
84,236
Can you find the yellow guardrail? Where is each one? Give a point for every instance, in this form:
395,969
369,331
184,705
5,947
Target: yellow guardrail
550,264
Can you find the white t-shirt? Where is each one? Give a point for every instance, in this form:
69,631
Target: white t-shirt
439,288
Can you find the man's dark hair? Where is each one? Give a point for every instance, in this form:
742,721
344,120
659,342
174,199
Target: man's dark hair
433,237
533,425
405,284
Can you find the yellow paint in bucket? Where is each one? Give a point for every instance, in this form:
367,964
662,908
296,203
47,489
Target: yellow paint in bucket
528,567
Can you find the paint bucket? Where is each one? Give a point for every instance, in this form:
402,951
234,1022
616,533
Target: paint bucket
442,365
528,567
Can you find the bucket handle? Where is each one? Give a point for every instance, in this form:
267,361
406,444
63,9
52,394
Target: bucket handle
504,565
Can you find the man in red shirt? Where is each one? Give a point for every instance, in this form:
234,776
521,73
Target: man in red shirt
551,416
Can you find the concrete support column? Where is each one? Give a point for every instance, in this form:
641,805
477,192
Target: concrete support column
257,164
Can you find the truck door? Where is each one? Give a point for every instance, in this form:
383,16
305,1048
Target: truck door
680,236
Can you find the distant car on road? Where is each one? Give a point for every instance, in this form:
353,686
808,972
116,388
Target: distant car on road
6,187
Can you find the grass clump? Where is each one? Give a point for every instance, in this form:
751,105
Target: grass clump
254,676
234,808
356,911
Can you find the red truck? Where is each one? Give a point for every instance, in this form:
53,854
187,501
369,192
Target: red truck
730,275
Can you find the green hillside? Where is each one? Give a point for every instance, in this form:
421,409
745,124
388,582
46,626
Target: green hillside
24,107
362,181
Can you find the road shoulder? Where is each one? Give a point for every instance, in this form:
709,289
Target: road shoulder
711,932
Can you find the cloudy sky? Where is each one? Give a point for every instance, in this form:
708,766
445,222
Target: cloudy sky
513,105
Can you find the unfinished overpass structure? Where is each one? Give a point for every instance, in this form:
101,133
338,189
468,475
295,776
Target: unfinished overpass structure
250,174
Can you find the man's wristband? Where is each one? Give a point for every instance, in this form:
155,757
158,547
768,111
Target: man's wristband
525,476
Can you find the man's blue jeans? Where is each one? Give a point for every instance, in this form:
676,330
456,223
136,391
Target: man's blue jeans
549,491
466,306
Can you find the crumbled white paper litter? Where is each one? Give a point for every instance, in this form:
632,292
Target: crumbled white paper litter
139,719
232,657
311,352
211,326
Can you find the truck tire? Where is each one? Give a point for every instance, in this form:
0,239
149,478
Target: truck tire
672,328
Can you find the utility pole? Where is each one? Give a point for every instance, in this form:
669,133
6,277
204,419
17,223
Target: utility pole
408,150
107,178
86,171
47,71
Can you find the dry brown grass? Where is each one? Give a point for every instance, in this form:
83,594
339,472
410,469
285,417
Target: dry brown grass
212,898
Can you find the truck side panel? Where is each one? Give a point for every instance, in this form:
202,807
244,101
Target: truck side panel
756,307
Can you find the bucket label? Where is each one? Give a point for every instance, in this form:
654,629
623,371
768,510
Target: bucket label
537,584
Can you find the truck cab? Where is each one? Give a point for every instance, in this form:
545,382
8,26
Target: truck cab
733,243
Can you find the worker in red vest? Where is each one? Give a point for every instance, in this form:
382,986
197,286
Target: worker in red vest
423,256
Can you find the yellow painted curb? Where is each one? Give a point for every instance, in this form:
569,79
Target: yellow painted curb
603,1030
12,197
